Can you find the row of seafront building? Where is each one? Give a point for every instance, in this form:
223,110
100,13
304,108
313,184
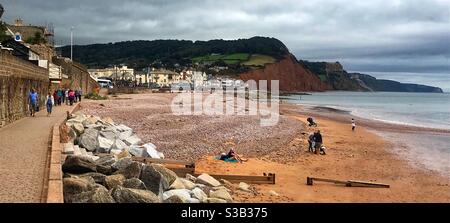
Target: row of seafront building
159,77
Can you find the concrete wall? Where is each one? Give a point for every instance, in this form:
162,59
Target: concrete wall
17,77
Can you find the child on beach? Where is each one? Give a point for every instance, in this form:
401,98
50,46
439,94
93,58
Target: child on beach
311,143
318,141
353,125
50,101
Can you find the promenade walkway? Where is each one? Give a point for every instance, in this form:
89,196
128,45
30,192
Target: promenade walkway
24,147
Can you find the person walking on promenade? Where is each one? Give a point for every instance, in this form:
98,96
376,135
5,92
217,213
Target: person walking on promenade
80,93
55,97
33,101
353,125
60,96
49,102
318,141
71,96
66,94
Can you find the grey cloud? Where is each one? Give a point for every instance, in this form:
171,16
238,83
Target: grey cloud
400,35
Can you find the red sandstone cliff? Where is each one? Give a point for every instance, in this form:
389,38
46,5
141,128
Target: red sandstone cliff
293,77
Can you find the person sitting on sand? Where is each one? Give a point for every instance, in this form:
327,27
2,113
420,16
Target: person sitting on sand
311,122
232,155
318,141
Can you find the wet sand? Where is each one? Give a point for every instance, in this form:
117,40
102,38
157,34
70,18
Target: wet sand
359,155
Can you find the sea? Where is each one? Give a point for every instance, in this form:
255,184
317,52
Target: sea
432,110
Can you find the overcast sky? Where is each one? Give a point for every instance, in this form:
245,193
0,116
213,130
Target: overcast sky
376,35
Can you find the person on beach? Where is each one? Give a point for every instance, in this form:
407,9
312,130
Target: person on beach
318,141
71,96
66,94
33,100
79,93
311,143
231,155
60,96
49,102
55,97
353,125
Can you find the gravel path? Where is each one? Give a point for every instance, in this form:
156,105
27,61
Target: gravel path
192,137
24,150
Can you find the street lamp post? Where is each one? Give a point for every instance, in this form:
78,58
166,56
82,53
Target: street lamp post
71,43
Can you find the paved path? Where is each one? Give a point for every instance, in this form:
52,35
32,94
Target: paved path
23,155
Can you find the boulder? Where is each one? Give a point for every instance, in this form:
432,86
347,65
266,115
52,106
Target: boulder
123,128
105,169
94,127
108,120
109,135
221,194
183,194
131,171
122,163
161,155
177,184
98,194
227,184
90,121
187,183
68,148
76,164
76,185
114,180
124,154
150,149
154,180
244,187
89,140
107,160
134,183
199,194
128,195
168,175
78,128
119,145
173,199
207,180
191,178
192,200
133,140
215,200
137,151
115,152
125,134
98,178
104,145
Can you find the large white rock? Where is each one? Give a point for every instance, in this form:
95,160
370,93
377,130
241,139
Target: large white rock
111,135
221,194
68,148
151,150
78,127
199,194
207,180
187,183
245,187
184,194
124,135
133,140
138,151
123,128
104,145
119,145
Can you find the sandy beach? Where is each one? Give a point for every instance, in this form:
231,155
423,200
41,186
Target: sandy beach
281,149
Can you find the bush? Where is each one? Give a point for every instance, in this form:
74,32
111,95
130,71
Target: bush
95,96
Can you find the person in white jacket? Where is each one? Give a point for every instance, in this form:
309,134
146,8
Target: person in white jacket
49,102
